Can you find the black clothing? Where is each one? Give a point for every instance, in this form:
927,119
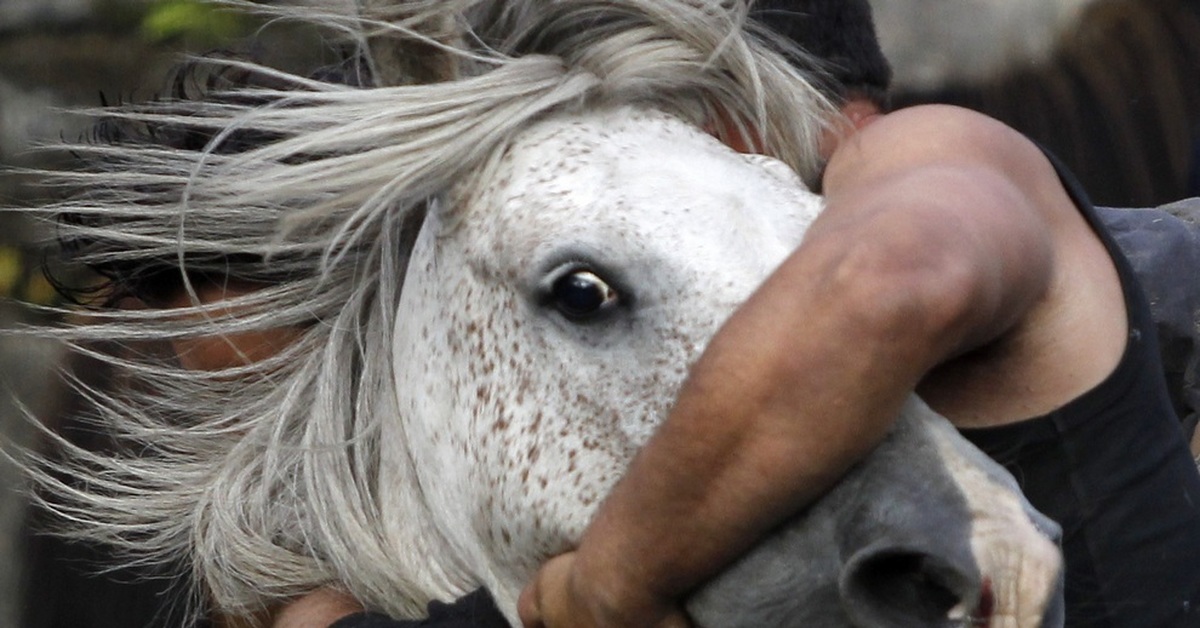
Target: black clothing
1112,467
1163,246
476,610
841,33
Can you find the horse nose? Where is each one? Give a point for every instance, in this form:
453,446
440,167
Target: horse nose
888,586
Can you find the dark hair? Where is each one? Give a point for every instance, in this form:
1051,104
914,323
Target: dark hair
214,77
840,33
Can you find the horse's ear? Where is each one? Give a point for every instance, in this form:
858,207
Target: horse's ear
416,50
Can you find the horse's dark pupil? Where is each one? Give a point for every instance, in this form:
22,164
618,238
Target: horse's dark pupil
579,295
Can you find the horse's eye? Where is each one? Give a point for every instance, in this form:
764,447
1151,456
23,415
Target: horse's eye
581,295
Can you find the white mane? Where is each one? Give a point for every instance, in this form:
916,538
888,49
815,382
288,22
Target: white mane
262,478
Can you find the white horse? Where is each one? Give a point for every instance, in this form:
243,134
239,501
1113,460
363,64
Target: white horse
500,279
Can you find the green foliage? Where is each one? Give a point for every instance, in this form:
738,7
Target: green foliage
193,20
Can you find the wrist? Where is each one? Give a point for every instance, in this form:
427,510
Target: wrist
616,591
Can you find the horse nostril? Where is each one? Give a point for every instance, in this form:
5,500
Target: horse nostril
898,588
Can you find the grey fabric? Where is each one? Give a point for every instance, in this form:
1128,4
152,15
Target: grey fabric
1164,248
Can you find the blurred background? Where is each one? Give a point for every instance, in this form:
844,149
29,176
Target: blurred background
1111,86
56,55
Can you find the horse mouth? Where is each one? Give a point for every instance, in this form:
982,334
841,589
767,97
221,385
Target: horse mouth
981,615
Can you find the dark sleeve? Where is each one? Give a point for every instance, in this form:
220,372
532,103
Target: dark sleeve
476,610
1163,246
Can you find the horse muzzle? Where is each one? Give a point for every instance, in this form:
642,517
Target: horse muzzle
927,532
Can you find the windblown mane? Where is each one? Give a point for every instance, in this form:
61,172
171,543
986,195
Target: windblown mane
262,478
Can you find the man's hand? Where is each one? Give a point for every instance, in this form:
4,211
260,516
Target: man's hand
559,597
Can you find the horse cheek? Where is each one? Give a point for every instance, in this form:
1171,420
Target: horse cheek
498,469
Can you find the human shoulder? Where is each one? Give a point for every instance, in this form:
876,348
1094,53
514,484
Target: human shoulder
992,198
952,164
939,136
945,168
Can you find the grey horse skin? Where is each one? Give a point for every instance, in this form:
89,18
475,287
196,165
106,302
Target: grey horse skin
881,549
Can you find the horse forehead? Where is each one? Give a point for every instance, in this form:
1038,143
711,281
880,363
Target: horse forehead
637,168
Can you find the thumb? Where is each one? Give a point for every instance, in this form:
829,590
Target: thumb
546,593
528,608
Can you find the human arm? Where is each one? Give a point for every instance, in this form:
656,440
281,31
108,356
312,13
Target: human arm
936,240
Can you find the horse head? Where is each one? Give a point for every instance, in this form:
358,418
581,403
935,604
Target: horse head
549,315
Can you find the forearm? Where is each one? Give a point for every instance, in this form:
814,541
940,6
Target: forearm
789,395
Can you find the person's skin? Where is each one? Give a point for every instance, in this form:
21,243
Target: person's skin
213,353
316,610
950,261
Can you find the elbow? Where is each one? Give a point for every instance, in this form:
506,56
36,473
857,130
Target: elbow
916,307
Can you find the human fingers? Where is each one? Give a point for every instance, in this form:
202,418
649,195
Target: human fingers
544,598
557,597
